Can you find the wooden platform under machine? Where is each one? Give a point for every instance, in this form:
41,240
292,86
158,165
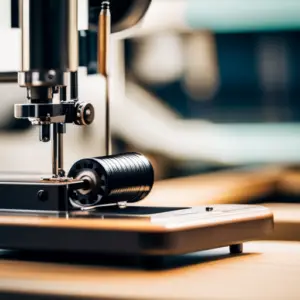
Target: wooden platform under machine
145,231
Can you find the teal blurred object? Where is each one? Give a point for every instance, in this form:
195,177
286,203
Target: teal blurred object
243,15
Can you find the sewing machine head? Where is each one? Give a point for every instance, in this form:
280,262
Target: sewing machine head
49,74
50,63
53,209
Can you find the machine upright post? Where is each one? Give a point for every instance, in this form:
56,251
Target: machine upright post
104,31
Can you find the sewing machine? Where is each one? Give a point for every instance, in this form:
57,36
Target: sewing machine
91,207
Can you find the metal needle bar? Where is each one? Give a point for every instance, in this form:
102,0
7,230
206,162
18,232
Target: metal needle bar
104,30
61,127
55,150
60,159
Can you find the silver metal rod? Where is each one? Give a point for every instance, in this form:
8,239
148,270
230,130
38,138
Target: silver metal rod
104,32
61,130
55,150
60,152
108,145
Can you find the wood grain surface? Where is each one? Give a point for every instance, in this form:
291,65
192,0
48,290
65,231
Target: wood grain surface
289,182
237,186
267,270
287,221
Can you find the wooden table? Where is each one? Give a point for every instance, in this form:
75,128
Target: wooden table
267,270
289,182
287,221
239,186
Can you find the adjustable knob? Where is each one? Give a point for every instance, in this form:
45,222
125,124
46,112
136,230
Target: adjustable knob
85,113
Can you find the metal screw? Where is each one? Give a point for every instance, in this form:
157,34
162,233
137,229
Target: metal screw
61,173
122,205
51,74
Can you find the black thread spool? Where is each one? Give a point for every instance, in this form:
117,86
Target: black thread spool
112,179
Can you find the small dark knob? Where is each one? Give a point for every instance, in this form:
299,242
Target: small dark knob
42,195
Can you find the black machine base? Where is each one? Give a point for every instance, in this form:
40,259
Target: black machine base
39,216
45,196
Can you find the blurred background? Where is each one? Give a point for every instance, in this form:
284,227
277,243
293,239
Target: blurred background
197,86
